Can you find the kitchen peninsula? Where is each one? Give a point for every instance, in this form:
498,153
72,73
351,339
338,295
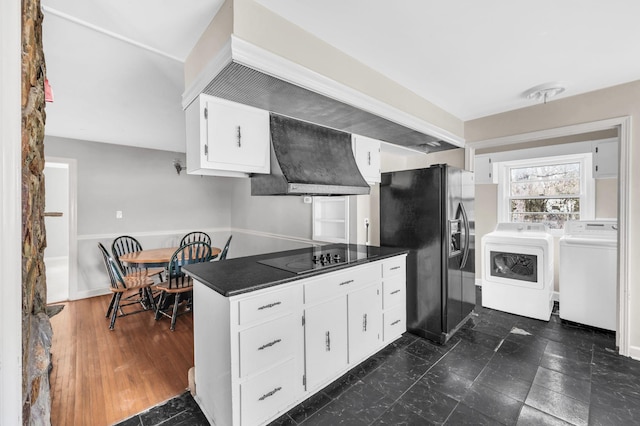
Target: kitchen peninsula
271,330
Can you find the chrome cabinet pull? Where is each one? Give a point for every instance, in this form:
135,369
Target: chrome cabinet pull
364,322
395,291
268,345
346,282
369,158
269,305
327,341
239,137
395,322
394,268
268,394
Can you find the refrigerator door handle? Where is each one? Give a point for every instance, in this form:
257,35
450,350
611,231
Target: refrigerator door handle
465,220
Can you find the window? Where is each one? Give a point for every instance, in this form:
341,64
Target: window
549,190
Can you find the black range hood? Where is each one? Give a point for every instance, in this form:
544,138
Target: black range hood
307,159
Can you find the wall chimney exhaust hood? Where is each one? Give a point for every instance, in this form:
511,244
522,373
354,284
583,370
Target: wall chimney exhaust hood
243,73
309,159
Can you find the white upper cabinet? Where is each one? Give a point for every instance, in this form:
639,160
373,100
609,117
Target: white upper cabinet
605,159
225,138
483,169
367,153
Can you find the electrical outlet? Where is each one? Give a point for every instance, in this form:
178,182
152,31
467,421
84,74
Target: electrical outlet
118,214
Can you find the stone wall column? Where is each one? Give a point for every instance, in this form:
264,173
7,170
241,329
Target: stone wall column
36,328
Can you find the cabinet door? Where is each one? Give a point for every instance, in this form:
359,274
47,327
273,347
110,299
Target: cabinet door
605,159
365,322
367,153
483,169
237,137
325,340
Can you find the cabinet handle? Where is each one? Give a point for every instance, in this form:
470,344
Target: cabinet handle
239,138
364,322
394,268
369,158
395,322
269,305
346,282
268,345
395,291
327,341
268,394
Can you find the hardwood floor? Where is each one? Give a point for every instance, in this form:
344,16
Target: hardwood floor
100,377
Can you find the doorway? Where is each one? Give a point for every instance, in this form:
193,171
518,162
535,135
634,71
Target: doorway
623,128
60,255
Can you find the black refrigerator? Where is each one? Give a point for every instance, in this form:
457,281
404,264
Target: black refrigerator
431,212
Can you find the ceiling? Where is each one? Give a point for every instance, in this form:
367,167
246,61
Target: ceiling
116,66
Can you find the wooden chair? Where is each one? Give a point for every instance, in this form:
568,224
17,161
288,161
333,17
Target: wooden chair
126,244
122,285
178,286
225,250
196,236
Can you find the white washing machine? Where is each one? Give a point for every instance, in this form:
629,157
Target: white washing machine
588,273
517,275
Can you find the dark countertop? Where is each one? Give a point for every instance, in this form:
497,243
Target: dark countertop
243,274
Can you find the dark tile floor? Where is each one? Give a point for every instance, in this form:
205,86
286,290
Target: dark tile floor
498,369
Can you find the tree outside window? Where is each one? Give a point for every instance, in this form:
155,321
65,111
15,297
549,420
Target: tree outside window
550,191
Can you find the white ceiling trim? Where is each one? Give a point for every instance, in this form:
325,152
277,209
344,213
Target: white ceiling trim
109,33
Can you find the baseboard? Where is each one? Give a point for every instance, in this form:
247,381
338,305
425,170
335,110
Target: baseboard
89,293
634,352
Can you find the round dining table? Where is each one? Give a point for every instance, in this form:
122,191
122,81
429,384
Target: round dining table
159,257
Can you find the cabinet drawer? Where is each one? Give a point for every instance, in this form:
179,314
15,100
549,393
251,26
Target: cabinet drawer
264,395
336,283
394,266
395,322
264,306
393,292
266,344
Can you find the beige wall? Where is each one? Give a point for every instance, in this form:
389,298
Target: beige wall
617,101
394,162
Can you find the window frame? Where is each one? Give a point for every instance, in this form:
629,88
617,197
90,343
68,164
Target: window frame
587,184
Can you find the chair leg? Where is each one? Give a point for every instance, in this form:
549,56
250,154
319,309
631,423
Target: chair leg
176,302
159,305
113,299
152,302
114,314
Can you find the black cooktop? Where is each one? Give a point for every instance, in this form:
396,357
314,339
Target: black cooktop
318,258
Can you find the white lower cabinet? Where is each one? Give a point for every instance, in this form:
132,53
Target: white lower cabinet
325,339
267,393
365,322
259,354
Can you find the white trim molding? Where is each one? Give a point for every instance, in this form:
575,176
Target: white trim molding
623,124
244,53
10,214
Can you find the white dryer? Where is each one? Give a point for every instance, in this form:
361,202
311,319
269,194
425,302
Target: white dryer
588,273
517,272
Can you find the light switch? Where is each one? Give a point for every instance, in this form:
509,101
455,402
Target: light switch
118,214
